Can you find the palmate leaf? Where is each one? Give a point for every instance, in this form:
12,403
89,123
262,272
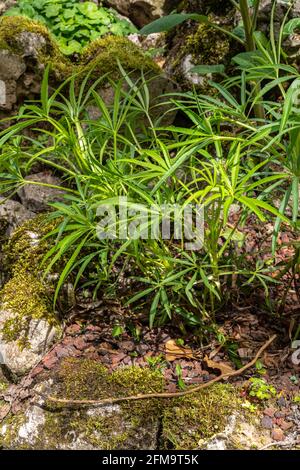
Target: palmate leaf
291,26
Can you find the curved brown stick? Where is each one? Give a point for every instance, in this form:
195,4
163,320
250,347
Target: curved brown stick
107,401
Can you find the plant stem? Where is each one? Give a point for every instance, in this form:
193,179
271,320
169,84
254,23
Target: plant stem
250,46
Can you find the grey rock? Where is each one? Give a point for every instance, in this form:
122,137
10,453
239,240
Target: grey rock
31,43
142,12
240,433
12,215
40,336
267,422
12,66
36,197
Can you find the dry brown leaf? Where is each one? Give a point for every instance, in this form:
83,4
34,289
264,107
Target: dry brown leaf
173,351
223,368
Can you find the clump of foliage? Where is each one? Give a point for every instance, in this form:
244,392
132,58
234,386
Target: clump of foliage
123,153
228,160
260,389
74,24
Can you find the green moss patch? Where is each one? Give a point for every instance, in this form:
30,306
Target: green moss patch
177,423
26,294
198,416
103,56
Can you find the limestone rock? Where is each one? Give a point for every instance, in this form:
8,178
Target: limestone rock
20,360
36,197
31,43
239,433
12,215
11,65
142,12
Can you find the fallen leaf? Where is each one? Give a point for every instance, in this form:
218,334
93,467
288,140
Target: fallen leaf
173,351
223,368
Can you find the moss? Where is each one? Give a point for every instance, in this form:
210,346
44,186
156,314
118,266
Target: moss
112,428
126,425
198,416
103,56
207,45
185,420
26,294
27,245
12,426
87,379
12,26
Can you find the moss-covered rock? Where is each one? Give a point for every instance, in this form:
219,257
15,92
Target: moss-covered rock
103,55
198,416
212,418
133,425
27,47
27,323
192,45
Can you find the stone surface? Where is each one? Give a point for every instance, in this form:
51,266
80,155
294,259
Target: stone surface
12,215
20,71
115,426
267,422
141,12
278,434
240,433
40,336
36,197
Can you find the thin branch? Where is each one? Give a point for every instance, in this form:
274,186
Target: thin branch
111,400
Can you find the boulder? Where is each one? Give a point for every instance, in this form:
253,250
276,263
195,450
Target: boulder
142,12
18,359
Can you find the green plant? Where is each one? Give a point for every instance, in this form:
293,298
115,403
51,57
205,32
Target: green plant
156,362
117,331
74,24
125,153
180,381
260,389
